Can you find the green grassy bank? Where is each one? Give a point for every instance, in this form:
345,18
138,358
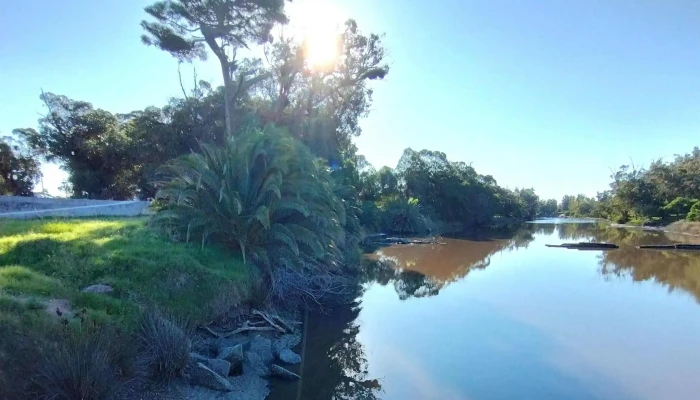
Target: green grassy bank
44,264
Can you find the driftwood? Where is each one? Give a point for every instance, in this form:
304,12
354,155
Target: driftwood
586,246
384,240
677,246
247,327
269,321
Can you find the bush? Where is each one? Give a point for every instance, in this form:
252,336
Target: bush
680,206
404,216
164,346
371,218
79,368
263,195
694,214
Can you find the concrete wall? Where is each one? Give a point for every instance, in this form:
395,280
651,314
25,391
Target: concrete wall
31,207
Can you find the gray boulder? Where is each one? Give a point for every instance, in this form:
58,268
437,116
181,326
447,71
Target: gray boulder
98,289
234,355
282,373
287,356
286,342
196,357
255,365
221,367
203,376
262,347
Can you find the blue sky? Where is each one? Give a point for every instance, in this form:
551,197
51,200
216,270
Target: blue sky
549,94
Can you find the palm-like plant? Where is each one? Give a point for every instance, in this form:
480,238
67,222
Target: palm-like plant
263,195
403,215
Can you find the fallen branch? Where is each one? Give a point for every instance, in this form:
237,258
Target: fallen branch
206,328
283,323
246,329
269,321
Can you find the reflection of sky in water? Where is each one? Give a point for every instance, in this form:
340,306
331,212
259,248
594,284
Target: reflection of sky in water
538,323
528,322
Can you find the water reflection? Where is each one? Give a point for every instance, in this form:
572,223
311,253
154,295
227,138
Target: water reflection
676,270
335,365
527,322
422,270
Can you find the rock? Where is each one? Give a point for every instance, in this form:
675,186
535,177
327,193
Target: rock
98,289
221,367
263,347
286,342
282,373
203,376
289,357
254,365
196,357
233,355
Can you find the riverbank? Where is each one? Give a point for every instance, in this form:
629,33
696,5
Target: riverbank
678,227
61,278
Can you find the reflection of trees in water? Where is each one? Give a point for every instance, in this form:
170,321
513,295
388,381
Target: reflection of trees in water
336,365
675,270
422,270
407,283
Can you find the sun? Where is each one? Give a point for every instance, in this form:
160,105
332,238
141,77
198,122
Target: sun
317,24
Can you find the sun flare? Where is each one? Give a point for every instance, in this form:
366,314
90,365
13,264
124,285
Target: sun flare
317,23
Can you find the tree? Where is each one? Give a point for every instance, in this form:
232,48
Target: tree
183,27
19,168
90,144
322,105
529,201
547,208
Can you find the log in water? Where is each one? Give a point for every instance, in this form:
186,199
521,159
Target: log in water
677,246
586,246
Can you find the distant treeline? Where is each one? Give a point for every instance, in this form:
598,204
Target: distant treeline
664,192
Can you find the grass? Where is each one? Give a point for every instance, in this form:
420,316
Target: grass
56,258
47,261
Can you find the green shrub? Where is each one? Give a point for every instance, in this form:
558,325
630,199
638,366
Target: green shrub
694,214
371,217
404,216
265,196
680,206
164,346
79,368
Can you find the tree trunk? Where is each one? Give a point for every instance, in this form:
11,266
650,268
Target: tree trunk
228,93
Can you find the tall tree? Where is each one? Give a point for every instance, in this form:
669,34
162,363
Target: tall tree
91,145
19,168
183,27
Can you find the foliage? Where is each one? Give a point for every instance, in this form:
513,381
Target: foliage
680,206
664,192
79,368
19,168
90,145
403,215
182,28
454,191
547,208
322,105
694,213
264,196
165,347
371,217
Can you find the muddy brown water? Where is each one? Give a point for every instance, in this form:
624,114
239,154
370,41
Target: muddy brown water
504,317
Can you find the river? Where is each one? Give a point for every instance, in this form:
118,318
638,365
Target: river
504,317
